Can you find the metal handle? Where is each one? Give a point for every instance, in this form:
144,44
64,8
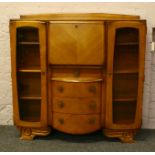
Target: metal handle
61,104
92,89
60,89
92,105
61,120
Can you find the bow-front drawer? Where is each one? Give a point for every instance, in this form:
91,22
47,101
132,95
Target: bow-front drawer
76,89
76,124
77,105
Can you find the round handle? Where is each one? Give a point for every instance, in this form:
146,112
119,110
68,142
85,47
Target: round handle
60,89
92,105
61,120
92,89
91,121
61,104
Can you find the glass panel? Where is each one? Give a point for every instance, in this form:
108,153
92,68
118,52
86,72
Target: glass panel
125,86
30,110
29,88
27,34
124,112
28,54
29,84
127,35
28,78
125,77
126,50
126,59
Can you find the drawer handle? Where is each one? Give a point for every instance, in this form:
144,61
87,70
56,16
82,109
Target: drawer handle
61,120
92,89
92,105
60,89
91,121
61,104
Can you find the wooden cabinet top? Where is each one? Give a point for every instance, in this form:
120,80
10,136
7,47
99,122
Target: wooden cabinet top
79,16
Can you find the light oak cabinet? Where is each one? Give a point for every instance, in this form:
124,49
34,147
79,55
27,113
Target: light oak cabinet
78,73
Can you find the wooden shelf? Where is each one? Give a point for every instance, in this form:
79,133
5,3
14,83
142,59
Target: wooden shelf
28,43
30,69
128,43
30,97
124,121
127,71
124,99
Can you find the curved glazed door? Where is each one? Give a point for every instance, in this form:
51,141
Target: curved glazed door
28,54
125,74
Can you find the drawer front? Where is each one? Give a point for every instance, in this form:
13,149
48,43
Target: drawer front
76,43
75,89
77,72
76,124
77,105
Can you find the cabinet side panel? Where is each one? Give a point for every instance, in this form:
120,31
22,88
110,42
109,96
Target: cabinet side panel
13,72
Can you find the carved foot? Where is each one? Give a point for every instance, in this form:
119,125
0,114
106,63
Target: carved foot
30,133
26,134
127,137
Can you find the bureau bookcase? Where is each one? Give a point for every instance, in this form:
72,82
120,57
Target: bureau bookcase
78,73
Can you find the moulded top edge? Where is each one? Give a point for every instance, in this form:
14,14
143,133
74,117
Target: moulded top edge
77,21
24,20
79,16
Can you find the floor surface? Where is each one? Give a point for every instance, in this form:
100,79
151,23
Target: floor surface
60,142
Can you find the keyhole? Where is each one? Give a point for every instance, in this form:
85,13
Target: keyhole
76,26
